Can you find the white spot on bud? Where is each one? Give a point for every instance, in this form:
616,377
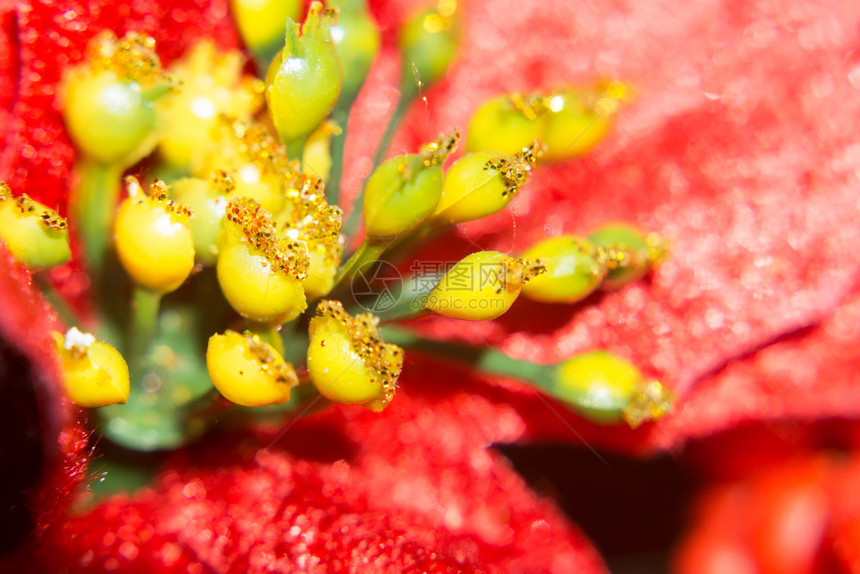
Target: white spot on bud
78,341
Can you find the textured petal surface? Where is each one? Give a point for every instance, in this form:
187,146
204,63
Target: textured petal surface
413,489
740,148
34,404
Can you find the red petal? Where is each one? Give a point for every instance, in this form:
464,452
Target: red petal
414,488
798,516
740,148
24,327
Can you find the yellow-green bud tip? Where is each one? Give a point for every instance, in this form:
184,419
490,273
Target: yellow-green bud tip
303,81
482,286
405,190
607,389
627,252
36,236
574,270
108,100
483,183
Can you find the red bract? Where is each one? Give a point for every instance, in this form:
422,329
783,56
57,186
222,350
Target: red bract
740,147
411,489
415,489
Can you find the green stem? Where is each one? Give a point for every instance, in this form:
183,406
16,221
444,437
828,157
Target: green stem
65,312
410,298
367,252
206,406
296,148
481,359
269,333
393,123
338,142
144,325
92,208
403,244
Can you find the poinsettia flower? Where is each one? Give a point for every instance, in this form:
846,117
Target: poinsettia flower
739,148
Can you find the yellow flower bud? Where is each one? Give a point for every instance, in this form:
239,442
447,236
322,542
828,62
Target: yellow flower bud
606,389
207,199
404,191
94,374
579,119
36,236
260,273
108,101
303,81
574,270
483,183
627,252
212,86
307,217
261,23
481,286
153,239
322,268
348,362
507,124
248,371
429,42
256,161
316,159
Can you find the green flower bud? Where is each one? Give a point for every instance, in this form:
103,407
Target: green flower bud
481,286
579,119
404,191
428,42
507,124
627,253
607,389
108,101
304,79
356,40
36,236
261,23
208,201
213,88
483,183
254,157
574,270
